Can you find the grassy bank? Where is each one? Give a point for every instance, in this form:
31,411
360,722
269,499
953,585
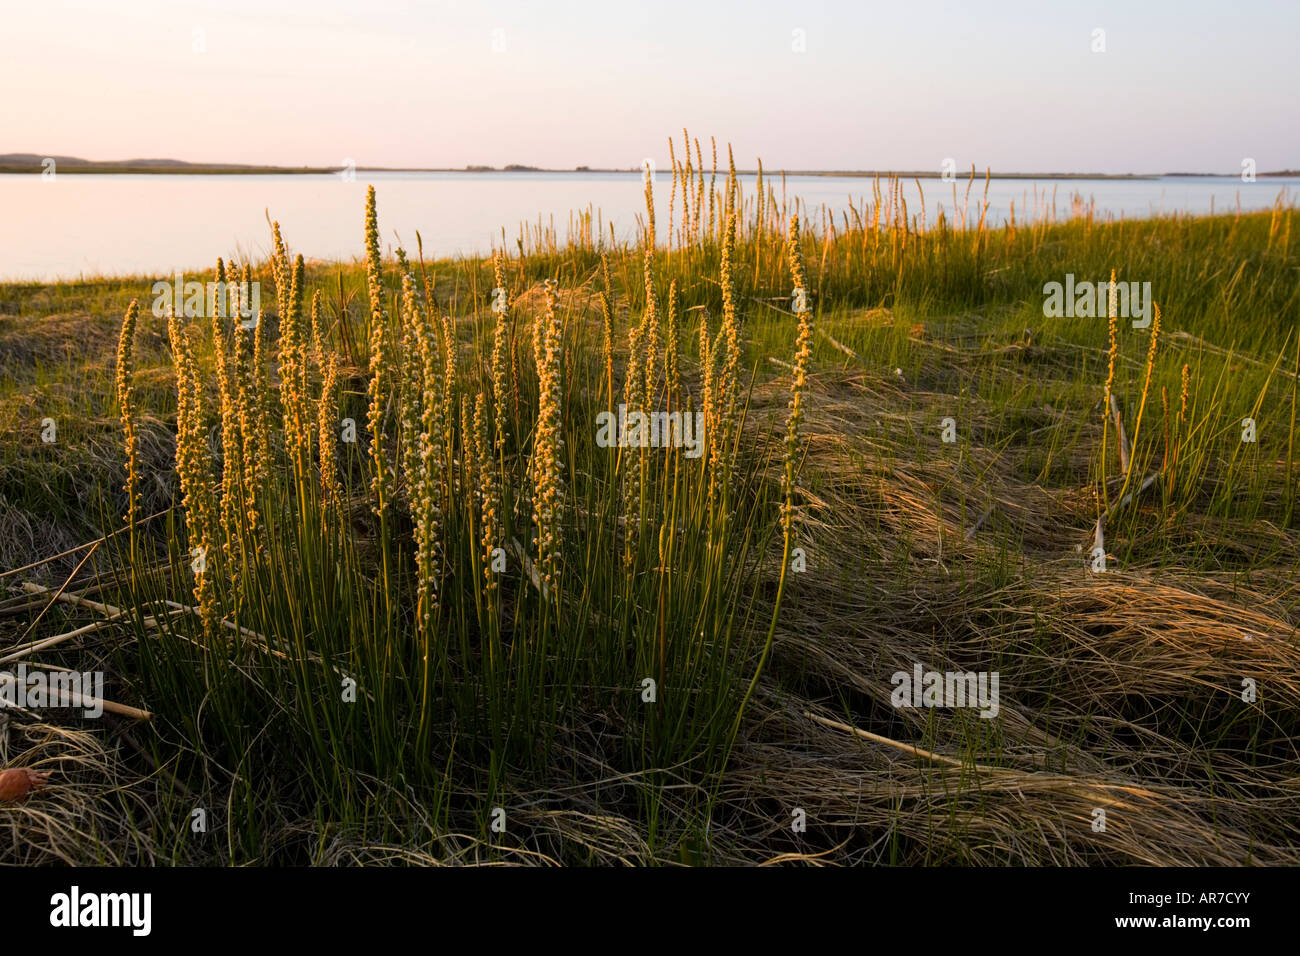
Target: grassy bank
363,650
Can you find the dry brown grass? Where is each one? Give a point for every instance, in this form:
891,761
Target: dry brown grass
94,810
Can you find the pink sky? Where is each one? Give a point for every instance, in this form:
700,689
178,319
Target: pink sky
1194,86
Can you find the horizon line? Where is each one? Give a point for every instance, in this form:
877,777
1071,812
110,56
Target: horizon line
34,163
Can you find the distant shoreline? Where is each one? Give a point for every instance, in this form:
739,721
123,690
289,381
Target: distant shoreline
29,163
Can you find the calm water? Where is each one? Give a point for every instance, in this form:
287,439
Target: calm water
153,225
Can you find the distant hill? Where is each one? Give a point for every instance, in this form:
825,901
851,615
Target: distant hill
34,163
32,159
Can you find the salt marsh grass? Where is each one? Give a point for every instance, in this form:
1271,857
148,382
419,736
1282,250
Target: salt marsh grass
357,643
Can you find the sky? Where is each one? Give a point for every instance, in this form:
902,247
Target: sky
1189,86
